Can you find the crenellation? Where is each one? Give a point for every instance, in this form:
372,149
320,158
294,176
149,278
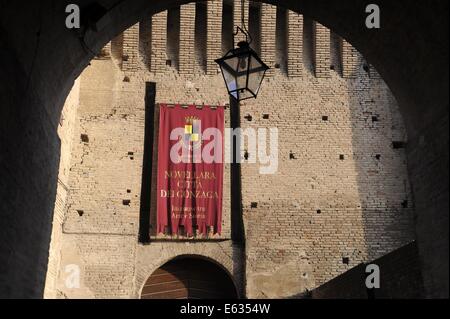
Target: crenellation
351,60
130,52
295,44
187,38
268,35
214,32
159,42
322,51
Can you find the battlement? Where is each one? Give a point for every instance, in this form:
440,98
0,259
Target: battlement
187,40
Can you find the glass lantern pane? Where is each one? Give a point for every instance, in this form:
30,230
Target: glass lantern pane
230,81
231,64
243,62
245,94
257,71
243,71
242,81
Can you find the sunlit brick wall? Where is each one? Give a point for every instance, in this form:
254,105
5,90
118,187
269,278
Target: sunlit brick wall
340,194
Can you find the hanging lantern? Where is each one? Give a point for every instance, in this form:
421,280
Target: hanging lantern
243,71
242,68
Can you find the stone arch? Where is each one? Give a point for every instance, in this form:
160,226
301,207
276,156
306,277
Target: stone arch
181,270
219,261
412,59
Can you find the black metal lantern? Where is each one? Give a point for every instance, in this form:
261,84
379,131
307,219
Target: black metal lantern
243,71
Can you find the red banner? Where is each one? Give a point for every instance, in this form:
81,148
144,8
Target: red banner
190,169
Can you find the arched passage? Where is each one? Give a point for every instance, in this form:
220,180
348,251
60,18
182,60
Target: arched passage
189,277
410,51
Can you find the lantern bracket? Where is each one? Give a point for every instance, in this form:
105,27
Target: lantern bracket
242,69
248,37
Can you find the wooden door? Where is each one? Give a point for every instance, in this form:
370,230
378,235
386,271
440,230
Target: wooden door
189,278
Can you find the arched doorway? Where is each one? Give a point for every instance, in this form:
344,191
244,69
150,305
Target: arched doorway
189,278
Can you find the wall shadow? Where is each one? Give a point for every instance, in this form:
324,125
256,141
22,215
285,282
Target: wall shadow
379,139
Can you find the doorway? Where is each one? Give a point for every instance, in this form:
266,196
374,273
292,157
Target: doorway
189,278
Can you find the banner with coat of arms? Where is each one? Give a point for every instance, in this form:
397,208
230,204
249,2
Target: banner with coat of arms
190,169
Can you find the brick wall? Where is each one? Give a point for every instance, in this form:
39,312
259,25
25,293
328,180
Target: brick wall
237,17
337,198
214,32
322,51
339,185
158,42
268,32
295,44
130,48
187,38
350,285
351,60
400,278
67,125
